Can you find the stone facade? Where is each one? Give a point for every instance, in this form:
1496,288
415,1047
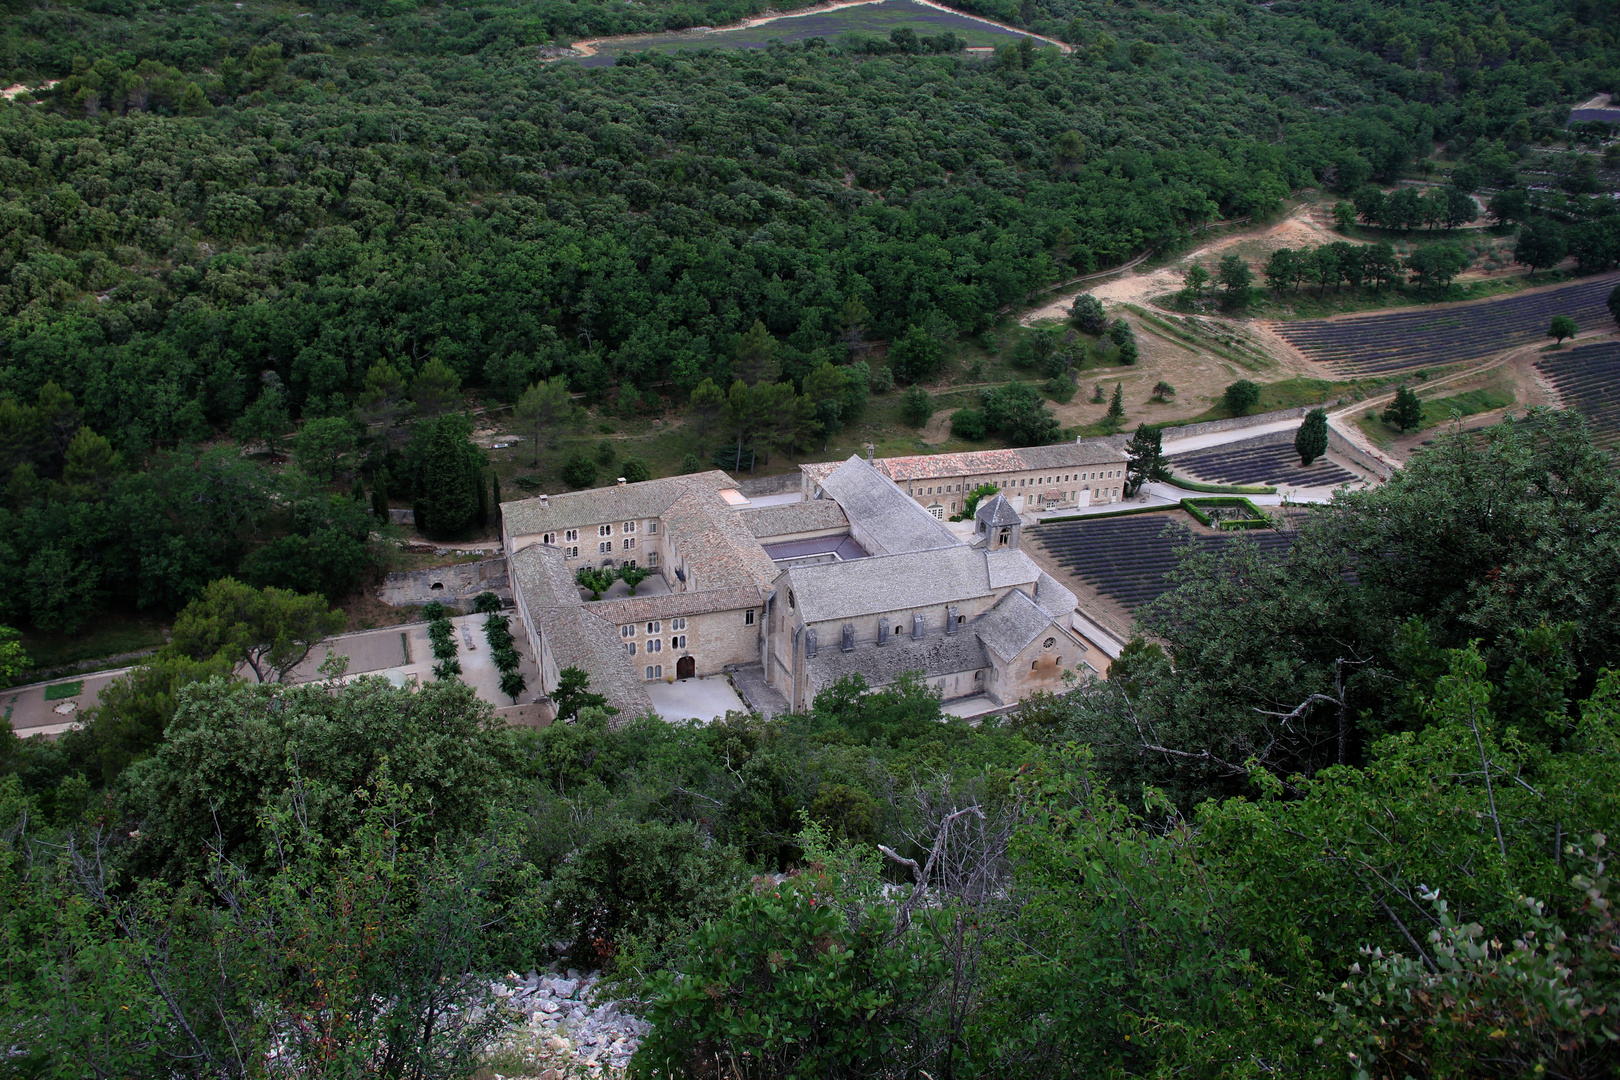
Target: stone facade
1034,479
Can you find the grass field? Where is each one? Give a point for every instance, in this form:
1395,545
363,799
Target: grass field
107,635
64,690
1440,411
870,20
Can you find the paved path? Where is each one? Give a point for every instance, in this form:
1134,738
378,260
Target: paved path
695,699
1173,445
26,709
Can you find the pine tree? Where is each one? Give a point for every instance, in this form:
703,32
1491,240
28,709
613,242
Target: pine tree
1406,411
1145,454
1116,407
379,497
1312,438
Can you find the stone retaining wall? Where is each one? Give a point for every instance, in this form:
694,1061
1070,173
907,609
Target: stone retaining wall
1347,449
1189,431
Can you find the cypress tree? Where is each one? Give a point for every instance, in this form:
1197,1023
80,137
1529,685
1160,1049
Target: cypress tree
1116,407
483,499
379,497
1312,438
449,475
495,494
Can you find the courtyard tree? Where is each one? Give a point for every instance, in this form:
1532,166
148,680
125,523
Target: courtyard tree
323,446
1562,327
596,580
633,576
1406,411
574,693
1311,440
1241,397
513,684
447,472
270,630
1163,391
540,410
1145,460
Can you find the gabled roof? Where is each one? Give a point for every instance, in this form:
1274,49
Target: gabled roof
936,654
1009,566
996,510
985,462
825,592
576,509
883,518
1008,628
719,550
815,515
577,637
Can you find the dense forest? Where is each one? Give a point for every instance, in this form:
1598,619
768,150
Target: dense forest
1339,813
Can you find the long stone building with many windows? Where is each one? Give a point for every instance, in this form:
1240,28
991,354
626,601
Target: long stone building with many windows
857,578
1034,479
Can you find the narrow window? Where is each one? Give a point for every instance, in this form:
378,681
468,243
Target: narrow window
630,647
748,617
652,559
571,534
629,526
604,530
549,539
652,526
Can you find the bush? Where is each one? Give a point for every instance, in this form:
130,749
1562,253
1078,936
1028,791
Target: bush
968,424
690,463
642,886
916,356
1059,389
788,981
579,471
915,407
1086,314
634,470
1241,397
485,603
882,380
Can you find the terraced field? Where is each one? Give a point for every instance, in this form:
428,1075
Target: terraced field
1406,340
1267,459
1588,379
1126,559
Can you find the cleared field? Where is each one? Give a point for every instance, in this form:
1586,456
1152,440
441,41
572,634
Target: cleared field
1406,340
1126,559
876,20
1267,459
1588,379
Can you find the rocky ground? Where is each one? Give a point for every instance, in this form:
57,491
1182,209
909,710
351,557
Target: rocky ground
566,1030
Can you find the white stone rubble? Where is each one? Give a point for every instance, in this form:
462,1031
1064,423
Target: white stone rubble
563,1024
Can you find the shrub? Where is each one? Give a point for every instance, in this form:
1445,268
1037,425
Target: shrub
882,380
447,669
690,463
1241,397
486,602
634,470
968,424
1086,314
579,471
915,407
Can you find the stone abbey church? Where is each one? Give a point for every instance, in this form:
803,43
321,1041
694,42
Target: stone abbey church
856,573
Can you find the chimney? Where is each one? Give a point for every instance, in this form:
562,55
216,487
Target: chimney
870,450
621,481
917,627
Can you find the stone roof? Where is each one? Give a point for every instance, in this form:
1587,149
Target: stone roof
996,510
826,592
1009,566
719,551
936,654
1009,627
575,635
629,609
814,515
882,517
985,462
1052,597
576,509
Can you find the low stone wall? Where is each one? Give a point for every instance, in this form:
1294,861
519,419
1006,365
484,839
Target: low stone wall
454,586
1347,449
1235,423
769,485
